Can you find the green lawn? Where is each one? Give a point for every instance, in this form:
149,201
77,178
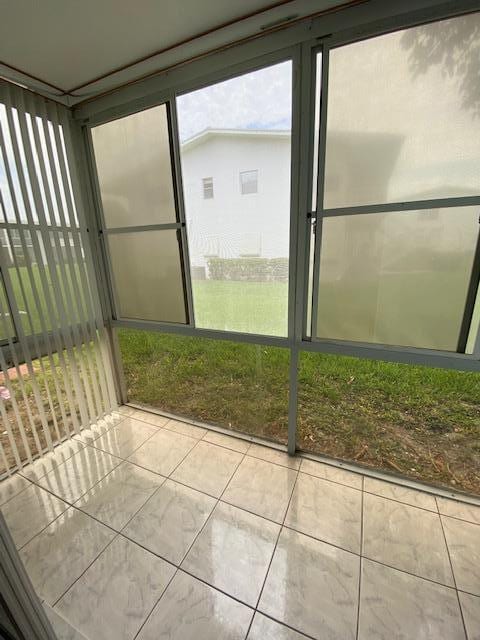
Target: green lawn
48,295
248,307
419,421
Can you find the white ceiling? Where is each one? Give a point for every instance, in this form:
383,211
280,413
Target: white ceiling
69,43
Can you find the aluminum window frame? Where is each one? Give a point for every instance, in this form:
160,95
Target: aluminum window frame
103,231
300,44
448,358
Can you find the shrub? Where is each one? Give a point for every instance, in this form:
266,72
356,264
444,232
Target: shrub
248,269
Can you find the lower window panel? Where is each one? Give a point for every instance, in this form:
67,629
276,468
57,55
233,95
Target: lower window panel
243,387
416,421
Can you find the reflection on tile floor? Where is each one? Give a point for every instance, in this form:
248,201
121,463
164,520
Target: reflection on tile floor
150,528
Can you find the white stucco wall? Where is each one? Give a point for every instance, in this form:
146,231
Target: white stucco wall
232,224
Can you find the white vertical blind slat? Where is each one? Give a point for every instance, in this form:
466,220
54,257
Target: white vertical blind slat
48,273
87,271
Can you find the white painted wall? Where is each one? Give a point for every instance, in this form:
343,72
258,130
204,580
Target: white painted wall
232,224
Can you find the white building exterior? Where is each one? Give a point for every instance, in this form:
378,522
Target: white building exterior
232,224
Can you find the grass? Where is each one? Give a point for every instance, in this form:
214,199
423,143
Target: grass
240,386
247,307
418,421
48,295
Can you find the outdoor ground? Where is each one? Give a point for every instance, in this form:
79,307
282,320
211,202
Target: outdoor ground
418,421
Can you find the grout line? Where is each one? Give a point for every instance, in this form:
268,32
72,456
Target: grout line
469,593
409,573
86,569
215,506
226,431
342,484
250,624
156,602
73,439
277,464
453,574
194,539
46,526
2,504
37,482
361,562
216,588
445,515
406,504
117,534
404,482
276,542
117,455
220,499
255,513
322,540
72,504
285,624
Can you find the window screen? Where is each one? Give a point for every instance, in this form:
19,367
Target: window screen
236,131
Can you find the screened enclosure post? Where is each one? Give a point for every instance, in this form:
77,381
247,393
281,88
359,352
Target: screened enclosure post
293,401
322,142
299,188
178,191
97,238
117,365
305,161
471,300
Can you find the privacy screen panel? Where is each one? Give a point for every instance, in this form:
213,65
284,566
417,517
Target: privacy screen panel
397,278
147,275
145,241
134,169
403,113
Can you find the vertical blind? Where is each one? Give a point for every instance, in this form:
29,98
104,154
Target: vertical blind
56,376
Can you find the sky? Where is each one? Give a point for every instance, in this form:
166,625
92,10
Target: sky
256,100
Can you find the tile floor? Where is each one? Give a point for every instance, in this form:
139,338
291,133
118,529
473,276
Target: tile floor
154,529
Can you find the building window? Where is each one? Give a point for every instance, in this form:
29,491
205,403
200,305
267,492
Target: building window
248,182
207,188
